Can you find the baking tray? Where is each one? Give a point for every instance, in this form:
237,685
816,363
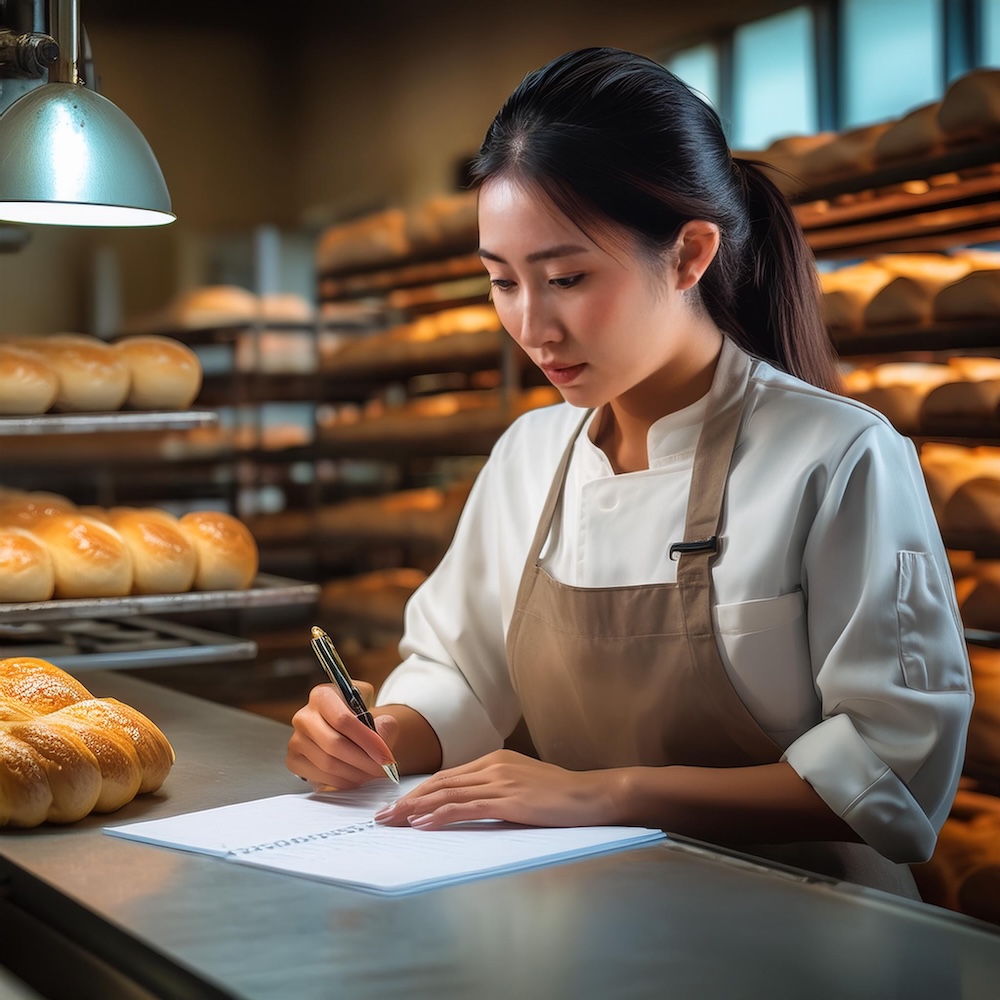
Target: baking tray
267,591
117,645
118,420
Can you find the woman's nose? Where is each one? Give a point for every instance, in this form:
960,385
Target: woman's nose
536,323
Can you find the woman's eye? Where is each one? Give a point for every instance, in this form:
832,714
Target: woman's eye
567,282
501,284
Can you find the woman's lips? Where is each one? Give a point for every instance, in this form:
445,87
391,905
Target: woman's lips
562,376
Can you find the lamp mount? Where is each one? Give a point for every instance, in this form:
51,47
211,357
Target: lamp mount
26,56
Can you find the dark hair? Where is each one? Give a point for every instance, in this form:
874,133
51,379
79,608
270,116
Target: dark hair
615,138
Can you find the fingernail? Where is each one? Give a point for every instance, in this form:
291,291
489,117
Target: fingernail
420,821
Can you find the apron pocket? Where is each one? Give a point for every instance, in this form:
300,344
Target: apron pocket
768,643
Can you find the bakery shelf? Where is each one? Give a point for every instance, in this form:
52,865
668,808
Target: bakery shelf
266,591
127,644
982,637
384,280
893,339
116,421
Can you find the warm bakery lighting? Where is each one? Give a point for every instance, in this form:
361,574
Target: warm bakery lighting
72,158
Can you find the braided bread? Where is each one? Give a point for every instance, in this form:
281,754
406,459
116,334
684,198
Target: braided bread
65,753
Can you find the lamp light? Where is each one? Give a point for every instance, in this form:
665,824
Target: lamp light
70,157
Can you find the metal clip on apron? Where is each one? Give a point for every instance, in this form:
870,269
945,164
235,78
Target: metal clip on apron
620,676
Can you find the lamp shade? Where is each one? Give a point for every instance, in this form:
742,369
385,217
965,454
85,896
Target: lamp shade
70,157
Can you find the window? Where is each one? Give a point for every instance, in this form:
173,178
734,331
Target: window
698,67
989,38
893,58
774,79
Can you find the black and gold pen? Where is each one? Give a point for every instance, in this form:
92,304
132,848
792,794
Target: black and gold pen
331,662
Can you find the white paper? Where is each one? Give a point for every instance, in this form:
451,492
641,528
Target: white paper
334,838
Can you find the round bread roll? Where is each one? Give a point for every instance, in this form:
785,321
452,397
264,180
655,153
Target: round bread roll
165,374
27,572
212,305
227,552
91,559
26,510
164,559
92,377
64,753
28,384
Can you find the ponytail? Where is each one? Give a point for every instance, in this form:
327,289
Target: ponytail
777,306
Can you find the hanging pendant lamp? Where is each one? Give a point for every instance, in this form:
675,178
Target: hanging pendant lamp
70,157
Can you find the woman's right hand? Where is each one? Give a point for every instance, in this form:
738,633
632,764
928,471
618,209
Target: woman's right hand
331,746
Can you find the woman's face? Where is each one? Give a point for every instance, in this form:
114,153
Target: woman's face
599,323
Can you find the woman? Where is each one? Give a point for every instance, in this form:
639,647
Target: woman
713,588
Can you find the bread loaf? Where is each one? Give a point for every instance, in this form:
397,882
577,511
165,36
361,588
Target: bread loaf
64,753
227,552
975,296
164,560
915,135
28,384
970,108
165,374
27,573
90,558
26,510
91,376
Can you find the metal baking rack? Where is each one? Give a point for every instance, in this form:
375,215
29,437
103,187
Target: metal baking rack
267,591
117,420
130,643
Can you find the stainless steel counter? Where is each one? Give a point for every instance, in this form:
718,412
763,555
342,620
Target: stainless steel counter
672,920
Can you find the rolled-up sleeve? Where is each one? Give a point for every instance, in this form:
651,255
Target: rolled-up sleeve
889,659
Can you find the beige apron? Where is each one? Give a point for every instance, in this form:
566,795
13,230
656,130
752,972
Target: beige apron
620,676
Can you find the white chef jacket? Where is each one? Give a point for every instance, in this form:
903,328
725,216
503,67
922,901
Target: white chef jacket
834,606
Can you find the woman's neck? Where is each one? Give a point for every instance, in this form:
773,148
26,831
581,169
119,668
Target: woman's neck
623,431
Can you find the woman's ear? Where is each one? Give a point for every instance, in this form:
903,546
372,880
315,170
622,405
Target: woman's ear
696,247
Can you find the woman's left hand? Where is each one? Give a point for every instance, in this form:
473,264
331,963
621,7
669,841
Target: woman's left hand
507,786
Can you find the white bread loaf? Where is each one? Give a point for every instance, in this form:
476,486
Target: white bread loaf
227,553
27,573
164,560
165,374
91,376
90,558
64,753
28,383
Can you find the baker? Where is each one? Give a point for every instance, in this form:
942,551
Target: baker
711,585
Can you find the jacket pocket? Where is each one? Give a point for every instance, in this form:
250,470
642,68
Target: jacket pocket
928,633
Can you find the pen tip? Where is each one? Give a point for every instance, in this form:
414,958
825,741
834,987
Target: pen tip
317,632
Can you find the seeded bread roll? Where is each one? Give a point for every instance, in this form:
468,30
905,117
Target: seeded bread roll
227,552
28,383
165,374
90,558
164,559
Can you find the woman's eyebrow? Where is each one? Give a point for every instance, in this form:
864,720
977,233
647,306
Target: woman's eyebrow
562,250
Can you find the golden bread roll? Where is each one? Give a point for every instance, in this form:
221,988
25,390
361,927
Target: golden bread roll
164,559
27,572
914,135
64,753
227,552
847,291
909,297
946,467
212,305
92,377
899,389
165,374
26,510
28,383
964,407
971,516
90,558
970,108
38,684
976,296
